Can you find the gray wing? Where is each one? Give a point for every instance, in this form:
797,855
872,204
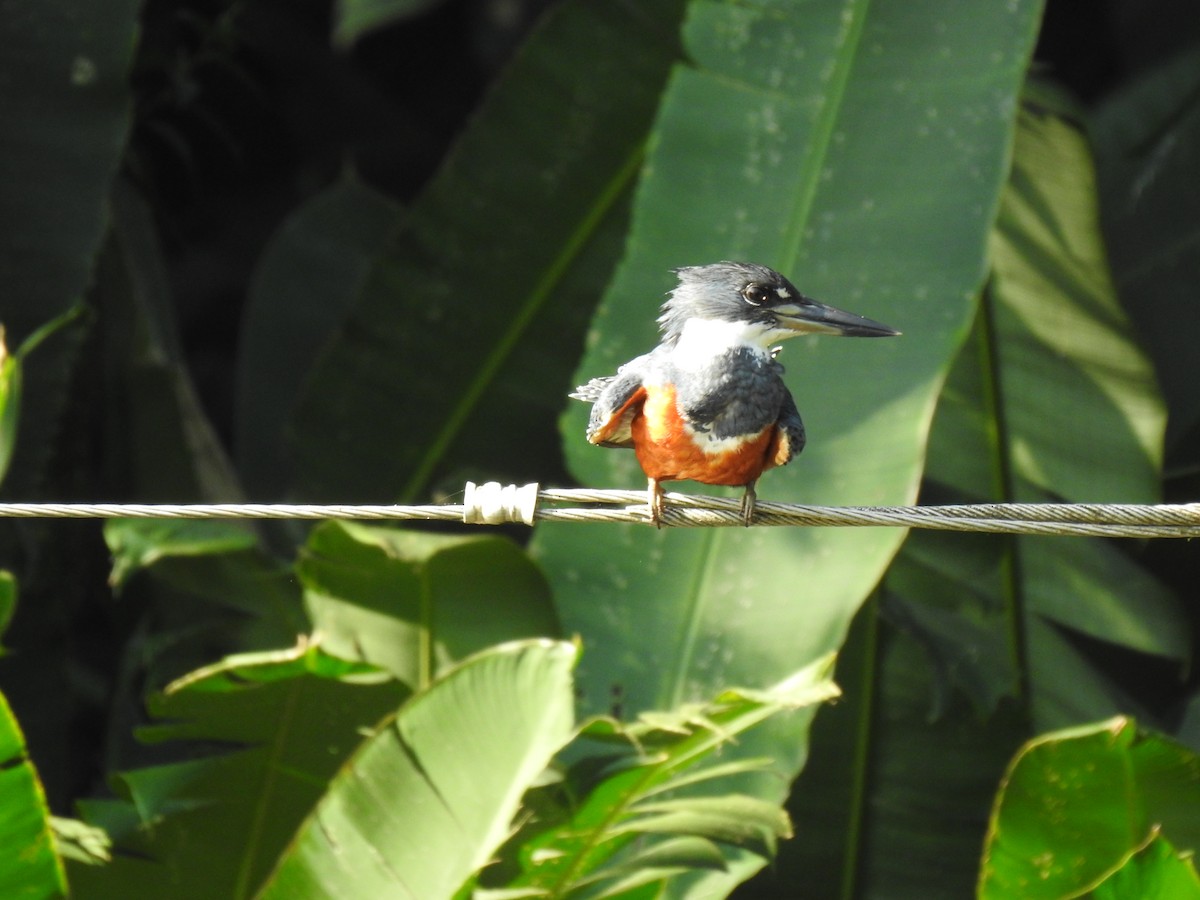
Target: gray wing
615,400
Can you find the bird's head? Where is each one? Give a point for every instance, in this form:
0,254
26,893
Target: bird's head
756,302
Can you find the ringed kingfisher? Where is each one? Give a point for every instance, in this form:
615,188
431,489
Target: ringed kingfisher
708,403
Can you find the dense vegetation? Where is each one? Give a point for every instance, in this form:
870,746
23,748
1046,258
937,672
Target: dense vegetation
359,252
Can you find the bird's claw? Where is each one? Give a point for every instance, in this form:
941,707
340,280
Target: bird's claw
749,498
654,496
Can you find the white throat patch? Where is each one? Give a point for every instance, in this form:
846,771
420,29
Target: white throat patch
702,339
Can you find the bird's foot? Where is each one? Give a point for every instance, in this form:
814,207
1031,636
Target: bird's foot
748,500
654,496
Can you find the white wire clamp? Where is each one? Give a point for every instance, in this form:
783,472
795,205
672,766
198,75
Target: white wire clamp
494,504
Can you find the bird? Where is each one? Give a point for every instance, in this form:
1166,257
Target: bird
709,403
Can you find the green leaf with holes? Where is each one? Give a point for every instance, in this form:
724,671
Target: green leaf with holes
1077,805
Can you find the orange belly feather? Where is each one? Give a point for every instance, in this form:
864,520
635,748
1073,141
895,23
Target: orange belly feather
668,451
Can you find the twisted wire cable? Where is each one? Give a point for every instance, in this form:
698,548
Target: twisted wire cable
493,503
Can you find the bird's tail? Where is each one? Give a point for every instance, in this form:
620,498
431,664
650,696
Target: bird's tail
590,392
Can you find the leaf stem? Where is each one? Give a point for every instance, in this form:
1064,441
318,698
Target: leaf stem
1004,488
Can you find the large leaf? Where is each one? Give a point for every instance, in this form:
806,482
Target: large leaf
414,603
597,833
213,826
752,601
860,149
29,866
430,796
1076,805
1051,399
466,330
999,620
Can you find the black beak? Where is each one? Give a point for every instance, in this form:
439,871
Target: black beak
811,317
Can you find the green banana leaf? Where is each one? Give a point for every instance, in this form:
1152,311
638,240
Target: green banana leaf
1076,806
29,866
592,832
383,604
415,604
1052,399
428,798
461,340
1156,872
869,170
999,626
214,825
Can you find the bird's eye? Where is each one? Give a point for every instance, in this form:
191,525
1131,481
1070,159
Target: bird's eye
755,294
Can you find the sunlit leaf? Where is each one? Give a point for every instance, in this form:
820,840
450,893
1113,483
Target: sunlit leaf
639,780
80,842
415,603
29,866
1076,804
1156,872
429,797
1051,398
279,724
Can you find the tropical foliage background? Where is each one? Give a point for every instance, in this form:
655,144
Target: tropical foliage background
359,252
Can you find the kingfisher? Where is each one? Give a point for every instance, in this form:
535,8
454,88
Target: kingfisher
709,403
